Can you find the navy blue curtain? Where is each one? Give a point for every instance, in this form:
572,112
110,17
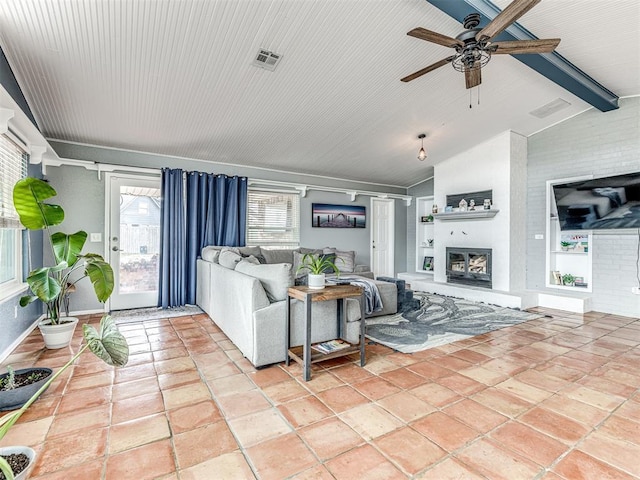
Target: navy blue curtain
173,253
215,209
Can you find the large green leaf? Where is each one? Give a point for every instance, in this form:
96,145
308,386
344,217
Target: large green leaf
109,344
45,286
101,275
6,469
68,247
29,195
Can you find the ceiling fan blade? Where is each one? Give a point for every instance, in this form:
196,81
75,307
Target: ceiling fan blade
428,69
434,37
525,46
472,77
506,17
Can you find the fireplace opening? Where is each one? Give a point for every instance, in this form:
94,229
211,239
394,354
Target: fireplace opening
469,266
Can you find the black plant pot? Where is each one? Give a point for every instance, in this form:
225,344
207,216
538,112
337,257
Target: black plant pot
16,398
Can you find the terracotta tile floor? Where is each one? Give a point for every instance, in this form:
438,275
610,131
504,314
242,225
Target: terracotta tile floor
553,398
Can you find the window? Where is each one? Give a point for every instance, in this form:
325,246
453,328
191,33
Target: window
13,167
273,219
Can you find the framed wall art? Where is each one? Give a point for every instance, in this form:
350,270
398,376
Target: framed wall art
325,215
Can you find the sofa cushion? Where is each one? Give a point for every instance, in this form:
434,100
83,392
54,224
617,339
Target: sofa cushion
345,261
246,251
275,277
229,259
210,254
278,256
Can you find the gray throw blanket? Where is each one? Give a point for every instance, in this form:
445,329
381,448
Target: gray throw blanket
373,301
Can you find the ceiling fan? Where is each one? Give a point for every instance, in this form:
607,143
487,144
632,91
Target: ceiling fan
474,46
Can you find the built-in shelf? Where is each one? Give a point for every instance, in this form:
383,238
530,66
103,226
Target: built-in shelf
466,215
569,252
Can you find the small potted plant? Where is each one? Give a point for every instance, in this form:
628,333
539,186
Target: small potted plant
317,265
568,279
565,246
53,284
108,344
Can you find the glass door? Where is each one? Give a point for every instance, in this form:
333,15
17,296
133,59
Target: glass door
134,240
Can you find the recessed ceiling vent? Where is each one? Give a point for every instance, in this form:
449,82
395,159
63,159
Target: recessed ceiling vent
267,60
550,108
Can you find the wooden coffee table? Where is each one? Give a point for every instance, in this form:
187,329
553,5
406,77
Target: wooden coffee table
303,353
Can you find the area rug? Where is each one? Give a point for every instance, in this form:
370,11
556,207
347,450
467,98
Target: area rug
152,313
440,320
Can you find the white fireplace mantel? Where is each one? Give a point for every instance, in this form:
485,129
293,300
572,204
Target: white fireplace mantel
468,215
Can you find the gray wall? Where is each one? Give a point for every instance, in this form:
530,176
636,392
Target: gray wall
14,322
82,196
341,238
598,144
423,189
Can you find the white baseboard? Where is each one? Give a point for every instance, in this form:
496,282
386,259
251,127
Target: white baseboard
7,351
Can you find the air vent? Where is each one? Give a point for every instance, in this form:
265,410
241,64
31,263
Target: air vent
550,108
267,60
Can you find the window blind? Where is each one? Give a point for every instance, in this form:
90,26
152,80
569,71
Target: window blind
13,167
273,218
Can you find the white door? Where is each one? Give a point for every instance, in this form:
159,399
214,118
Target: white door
133,239
382,236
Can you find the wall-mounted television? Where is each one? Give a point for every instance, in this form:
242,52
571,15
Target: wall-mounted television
599,203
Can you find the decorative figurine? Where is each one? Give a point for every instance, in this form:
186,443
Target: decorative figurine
434,209
472,204
463,205
487,204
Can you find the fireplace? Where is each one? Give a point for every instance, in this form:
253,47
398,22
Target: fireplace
469,266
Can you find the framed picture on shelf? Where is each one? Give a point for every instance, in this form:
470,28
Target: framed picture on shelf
427,264
557,277
426,219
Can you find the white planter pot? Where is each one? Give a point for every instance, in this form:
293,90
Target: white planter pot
316,280
29,452
58,336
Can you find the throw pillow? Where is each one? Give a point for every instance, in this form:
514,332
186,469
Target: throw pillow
246,251
278,256
275,278
210,254
229,259
345,261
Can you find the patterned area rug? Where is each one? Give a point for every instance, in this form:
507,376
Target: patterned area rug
441,320
152,313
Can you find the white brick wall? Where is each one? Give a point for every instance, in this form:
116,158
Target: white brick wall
598,144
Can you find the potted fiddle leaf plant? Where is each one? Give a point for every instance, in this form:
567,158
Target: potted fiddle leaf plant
53,284
108,344
317,265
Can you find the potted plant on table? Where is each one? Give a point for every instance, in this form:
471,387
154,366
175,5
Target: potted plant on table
568,279
108,344
317,265
53,284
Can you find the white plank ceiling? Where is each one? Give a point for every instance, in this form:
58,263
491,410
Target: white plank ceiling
174,77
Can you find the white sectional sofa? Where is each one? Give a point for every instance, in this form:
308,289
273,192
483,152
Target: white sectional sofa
247,300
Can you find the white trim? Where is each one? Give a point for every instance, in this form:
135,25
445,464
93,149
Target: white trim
227,164
20,339
12,289
421,181
347,191
301,187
